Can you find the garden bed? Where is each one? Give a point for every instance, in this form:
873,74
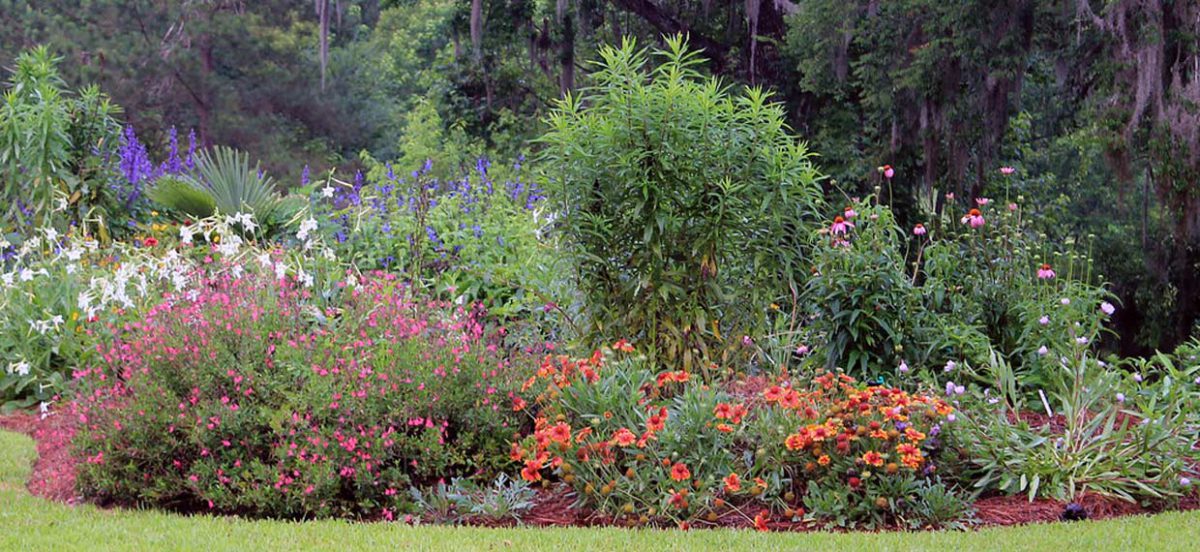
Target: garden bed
53,478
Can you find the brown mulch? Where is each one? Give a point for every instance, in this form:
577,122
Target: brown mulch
53,478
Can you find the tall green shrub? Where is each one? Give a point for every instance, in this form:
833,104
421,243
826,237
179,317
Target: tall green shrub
689,205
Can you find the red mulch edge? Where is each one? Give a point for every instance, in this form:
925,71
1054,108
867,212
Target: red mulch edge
53,478
53,474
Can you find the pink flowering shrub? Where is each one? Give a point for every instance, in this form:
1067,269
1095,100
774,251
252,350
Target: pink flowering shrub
243,398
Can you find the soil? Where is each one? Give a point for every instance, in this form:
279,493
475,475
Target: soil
53,478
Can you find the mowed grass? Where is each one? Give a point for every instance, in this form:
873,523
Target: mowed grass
29,523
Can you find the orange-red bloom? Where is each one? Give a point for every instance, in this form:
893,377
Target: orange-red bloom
760,521
624,437
680,472
623,345
733,483
872,458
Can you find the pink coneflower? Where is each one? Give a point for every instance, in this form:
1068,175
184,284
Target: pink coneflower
1012,207
1107,308
850,212
1007,170
974,218
1045,272
981,201
888,172
919,229
840,225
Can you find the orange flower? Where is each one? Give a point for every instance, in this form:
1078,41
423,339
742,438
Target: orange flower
679,499
824,460
872,458
773,393
914,435
680,472
725,428
532,471
733,483
561,432
790,399
723,411
656,421
904,449
913,461
624,437
519,404
623,346
760,521
795,441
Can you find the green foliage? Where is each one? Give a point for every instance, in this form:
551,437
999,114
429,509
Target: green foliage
506,499
860,297
1125,433
52,144
224,182
182,196
687,206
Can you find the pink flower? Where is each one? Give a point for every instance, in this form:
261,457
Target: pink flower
919,229
1045,272
1012,207
841,225
981,201
974,218
1007,170
850,212
888,172
1107,308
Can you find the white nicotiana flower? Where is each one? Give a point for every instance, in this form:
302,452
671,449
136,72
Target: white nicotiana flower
20,368
306,227
305,278
237,271
280,271
7,278
264,259
327,191
230,245
186,234
51,234
26,275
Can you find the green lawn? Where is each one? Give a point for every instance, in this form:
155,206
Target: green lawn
29,523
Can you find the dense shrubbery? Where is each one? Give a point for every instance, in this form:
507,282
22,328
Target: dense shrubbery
643,446
238,397
687,208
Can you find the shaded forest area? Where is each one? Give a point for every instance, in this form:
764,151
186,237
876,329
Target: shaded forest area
1096,104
